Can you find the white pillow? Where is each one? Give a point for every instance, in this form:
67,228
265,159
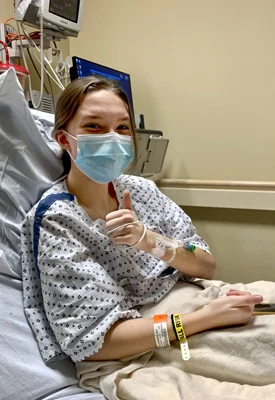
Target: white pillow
45,123
28,166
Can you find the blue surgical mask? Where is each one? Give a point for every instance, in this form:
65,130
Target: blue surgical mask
105,157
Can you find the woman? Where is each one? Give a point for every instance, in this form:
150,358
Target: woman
99,244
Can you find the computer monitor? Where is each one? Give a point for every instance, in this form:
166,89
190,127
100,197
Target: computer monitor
83,68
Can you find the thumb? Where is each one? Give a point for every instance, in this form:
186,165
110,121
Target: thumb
127,202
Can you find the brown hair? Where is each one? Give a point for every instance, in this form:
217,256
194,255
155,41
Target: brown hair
72,97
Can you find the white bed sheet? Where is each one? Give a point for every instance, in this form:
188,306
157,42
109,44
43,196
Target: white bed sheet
23,374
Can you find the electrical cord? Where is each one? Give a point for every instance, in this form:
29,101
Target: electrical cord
60,85
8,40
6,51
63,71
57,81
12,35
51,89
35,105
7,20
36,70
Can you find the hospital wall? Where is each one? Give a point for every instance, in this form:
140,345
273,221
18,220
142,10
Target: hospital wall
7,11
204,73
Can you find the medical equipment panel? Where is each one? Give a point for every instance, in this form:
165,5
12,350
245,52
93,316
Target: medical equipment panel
61,18
151,151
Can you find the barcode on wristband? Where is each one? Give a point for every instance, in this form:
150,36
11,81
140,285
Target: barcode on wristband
161,330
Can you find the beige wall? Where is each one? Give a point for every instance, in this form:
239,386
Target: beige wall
242,242
6,11
203,72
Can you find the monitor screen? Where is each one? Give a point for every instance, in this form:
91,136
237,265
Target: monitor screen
67,9
83,68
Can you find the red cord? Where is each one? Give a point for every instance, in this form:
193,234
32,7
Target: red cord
6,51
7,20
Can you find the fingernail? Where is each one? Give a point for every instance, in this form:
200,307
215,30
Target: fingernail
258,298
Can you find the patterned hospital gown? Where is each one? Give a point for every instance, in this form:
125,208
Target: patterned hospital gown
77,283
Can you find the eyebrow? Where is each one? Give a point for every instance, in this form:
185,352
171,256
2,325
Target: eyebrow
97,117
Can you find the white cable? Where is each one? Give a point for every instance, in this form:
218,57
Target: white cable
41,53
60,85
32,42
123,226
53,71
63,71
41,59
141,238
131,223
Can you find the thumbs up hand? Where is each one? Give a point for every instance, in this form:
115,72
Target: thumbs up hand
123,225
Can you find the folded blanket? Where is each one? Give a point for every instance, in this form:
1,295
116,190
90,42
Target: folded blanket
231,363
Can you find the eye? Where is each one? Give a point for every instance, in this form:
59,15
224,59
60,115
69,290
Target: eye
124,129
93,127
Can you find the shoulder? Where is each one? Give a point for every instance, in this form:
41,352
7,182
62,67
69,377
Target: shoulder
56,189
51,199
131,182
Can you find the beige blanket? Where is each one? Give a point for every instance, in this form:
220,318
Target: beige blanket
233,363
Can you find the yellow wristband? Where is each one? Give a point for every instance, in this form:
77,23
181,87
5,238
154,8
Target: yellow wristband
181,337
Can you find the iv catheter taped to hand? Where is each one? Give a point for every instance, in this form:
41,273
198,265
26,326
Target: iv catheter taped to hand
162,244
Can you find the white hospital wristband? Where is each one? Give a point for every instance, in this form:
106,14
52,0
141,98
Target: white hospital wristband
161,330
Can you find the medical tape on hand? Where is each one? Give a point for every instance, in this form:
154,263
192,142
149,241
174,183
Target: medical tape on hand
161,330
174,253
177,323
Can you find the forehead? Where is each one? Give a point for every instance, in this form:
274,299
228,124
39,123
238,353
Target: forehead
102,103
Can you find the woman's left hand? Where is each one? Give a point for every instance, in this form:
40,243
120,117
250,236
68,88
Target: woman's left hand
129,234
237,292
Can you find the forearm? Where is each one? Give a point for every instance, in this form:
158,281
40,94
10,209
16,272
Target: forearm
196,263
135,336
130,337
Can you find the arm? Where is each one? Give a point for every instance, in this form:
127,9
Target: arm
81,299
89,318
78,306
173,222
127,338
198,263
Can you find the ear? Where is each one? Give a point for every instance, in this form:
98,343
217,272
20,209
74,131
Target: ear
61,138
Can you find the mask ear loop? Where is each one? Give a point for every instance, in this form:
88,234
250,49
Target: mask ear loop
67,133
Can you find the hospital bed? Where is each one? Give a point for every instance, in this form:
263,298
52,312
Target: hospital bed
29,164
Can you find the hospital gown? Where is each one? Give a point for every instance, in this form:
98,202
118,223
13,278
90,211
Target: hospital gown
77,283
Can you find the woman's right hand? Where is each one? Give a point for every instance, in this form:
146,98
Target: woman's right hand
236,308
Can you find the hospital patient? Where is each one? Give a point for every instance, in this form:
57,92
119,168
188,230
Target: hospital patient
100,244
